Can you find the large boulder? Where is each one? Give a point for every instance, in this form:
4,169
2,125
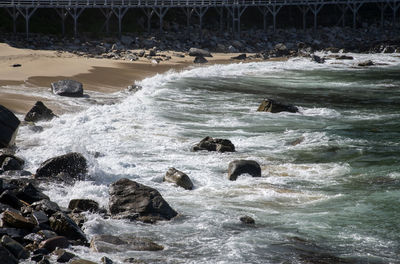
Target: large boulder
199,52
30,194
214,144
179,178
269,105
39,112
111,244
238,167
8,127
63,225
135,201
73,164
70,88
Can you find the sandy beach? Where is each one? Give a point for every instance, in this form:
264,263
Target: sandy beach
41,67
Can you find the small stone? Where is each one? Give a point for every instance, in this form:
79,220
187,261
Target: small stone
366,63
272,106
105,260
238,167
200,59
179,178
240,57
214,144
247,220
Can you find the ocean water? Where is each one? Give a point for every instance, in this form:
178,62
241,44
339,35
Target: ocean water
332,198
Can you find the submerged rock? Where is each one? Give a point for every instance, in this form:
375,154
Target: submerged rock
39,112
179,178
70,88
366,63
74,164
8,127
238,167
272,106
214,144
317,59
110,244
247,220
132,200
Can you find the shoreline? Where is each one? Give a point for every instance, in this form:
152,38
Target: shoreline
39,68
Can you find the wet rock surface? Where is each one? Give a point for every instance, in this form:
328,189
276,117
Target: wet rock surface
179,178
69,88
123,243
39,112
72,164
214,144
239,167
9,124
272,106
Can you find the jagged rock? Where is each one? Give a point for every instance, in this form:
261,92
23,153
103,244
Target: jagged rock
132,200
240,57
14,233
109,244
39,112
105,260
13,219
63,256
317,59
74,164
269,105
70,88
6,256
40,218
8,127
63,225
179,178
199,52
11,163
200,59
29,193
9,198
54,242
365,63
247,220
214,144
47,206
238,167
83,205
14,247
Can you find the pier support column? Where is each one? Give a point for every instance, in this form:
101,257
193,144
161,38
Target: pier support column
354,7
220,12
63,15
200,11
160,12
14,15
304,10
27,13
107,14
236,13
264,11
315,8
342,19
394,5
188,12
120,13
274,10
149,14
75,13
382,8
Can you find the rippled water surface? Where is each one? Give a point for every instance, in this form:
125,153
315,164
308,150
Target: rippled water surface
330,181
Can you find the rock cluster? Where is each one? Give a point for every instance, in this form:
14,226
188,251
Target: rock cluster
214,144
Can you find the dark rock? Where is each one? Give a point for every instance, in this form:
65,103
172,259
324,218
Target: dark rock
296,141
105,260
13,219
14,247
72,163
46,234
110,244
8,127
15,233
83,205
132,200
365,63
40,218
317,59
240,57
389,49
238,167
17,173
67,88
39,112
281,50
63,256
9,198
37,257
44,261
16,65
6,257
31,194
273,106
63,225
47,206
12,163
344,57
214,144
247,220
199,52
54,242
179,178
200,59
